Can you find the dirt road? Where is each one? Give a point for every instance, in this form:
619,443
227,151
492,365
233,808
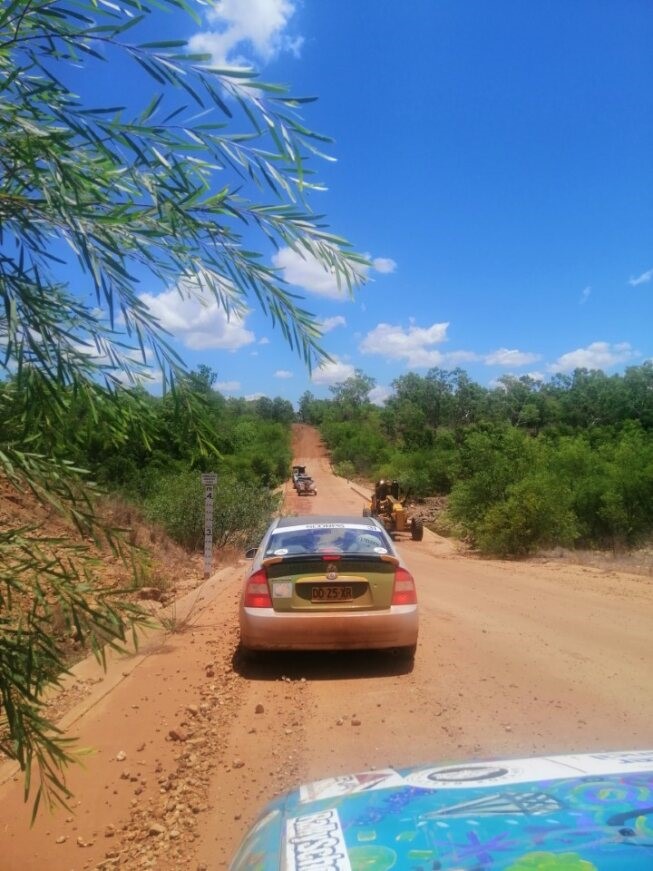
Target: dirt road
514,658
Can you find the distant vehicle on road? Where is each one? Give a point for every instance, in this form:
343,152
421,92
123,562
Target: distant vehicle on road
297,472
590,812
328,583
305,486
391,510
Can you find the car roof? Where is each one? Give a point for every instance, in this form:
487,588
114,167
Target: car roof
323,519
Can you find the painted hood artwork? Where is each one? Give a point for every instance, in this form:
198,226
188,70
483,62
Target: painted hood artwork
590,812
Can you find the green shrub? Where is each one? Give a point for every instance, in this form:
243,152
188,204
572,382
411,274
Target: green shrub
492,461
345,469
360,443
240,515
414,482
537,512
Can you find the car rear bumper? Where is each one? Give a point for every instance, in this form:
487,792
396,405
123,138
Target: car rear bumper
266,629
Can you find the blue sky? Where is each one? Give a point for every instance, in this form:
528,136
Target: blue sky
495,160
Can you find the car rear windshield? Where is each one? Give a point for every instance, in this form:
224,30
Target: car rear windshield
328,538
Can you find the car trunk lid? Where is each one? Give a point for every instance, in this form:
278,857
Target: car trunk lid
331,582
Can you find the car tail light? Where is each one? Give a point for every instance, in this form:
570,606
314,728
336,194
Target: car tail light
257,593
404,590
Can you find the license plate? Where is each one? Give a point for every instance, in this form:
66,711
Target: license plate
336,593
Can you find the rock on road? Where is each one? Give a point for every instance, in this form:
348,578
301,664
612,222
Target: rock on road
514,658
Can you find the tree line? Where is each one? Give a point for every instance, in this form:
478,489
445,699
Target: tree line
151,450
524,464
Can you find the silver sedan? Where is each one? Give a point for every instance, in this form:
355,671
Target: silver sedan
328,583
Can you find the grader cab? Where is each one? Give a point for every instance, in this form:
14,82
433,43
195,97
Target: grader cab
390,509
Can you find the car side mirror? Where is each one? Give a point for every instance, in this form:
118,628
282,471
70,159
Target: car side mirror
251,553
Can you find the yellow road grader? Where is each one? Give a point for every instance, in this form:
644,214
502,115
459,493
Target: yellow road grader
386,505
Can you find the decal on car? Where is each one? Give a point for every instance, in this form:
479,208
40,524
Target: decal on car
281,529
316,841
366,781
526,770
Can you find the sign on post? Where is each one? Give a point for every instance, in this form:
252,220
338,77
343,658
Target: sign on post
209,479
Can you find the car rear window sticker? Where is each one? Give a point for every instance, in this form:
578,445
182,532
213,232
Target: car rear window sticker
281,529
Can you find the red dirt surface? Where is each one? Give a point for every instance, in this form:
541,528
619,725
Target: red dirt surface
514,658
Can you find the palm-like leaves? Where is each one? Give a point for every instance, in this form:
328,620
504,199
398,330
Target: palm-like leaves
173,191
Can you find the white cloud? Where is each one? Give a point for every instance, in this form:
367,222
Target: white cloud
246,26
329,324
379,394
644,278
305,271
598,355
228,386
585,294
196,319
457,357
264,341
506,357
414,345
283,373
252,397
332,372
384,264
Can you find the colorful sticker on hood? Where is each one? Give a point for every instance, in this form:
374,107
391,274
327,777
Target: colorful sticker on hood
347,784
316,841
513,771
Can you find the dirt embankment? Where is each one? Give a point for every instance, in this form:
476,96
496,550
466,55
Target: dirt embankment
514,658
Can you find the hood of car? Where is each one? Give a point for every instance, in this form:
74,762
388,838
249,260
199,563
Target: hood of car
587,812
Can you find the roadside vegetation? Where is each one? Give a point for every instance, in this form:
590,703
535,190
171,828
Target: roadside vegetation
187,191
524,465
153,462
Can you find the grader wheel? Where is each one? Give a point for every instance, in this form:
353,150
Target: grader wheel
416,529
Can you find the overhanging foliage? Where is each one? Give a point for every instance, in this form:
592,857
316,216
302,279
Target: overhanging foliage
94,201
